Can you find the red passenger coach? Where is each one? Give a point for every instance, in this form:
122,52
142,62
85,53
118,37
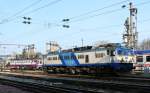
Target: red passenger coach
143,60
28,64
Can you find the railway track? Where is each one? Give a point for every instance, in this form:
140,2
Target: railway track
36,88
41,86
83,85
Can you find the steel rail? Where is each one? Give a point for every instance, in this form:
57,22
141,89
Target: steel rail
41,88
115,83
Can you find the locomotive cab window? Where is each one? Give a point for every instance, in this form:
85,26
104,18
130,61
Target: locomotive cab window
110,52
67,57
147,58
139,59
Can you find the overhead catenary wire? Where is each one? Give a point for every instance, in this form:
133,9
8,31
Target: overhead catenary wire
21,11
25,9
96,10
107,12
143,3
102,28
145,20
111,11
92,16
78,19
46,5
34,10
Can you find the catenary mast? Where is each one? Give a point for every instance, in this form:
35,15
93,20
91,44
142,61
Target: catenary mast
130,36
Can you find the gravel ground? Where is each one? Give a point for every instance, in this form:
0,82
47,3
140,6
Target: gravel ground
9,89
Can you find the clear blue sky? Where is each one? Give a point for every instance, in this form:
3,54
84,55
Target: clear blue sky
47,26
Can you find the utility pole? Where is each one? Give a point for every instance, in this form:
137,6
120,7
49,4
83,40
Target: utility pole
130,37
52,46
31,52
82,41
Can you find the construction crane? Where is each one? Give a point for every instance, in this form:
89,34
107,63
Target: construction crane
130,36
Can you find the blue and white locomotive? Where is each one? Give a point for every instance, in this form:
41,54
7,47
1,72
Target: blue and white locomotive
111,57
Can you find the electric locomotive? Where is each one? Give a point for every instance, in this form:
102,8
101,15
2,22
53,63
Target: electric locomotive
106,58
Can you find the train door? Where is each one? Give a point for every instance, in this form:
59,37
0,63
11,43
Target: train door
86,58
139,63
147,64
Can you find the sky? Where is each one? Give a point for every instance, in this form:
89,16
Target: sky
90,20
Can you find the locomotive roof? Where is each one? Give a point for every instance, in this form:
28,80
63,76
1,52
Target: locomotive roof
88,48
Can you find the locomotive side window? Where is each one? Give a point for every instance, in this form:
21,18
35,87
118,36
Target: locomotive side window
108,52
54,58
67,57
49,58
73,57
139,59
86,58
99,55
58,58
80,56
147,58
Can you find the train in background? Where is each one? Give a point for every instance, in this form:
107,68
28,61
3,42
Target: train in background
25,64
27,60
142,61
105,58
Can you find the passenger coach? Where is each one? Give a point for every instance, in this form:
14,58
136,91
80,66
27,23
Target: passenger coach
142,60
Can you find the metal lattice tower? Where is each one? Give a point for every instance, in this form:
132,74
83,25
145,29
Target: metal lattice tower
130,35
52,46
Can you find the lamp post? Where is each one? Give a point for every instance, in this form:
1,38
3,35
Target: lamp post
5,59
43,59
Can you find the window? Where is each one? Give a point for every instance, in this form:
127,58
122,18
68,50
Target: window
58,58
80,56
49,58
147,58
73,57
99,55
66,57
54,58
108,52
139,59
86,58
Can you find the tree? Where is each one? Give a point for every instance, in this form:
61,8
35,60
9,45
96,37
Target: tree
145,44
